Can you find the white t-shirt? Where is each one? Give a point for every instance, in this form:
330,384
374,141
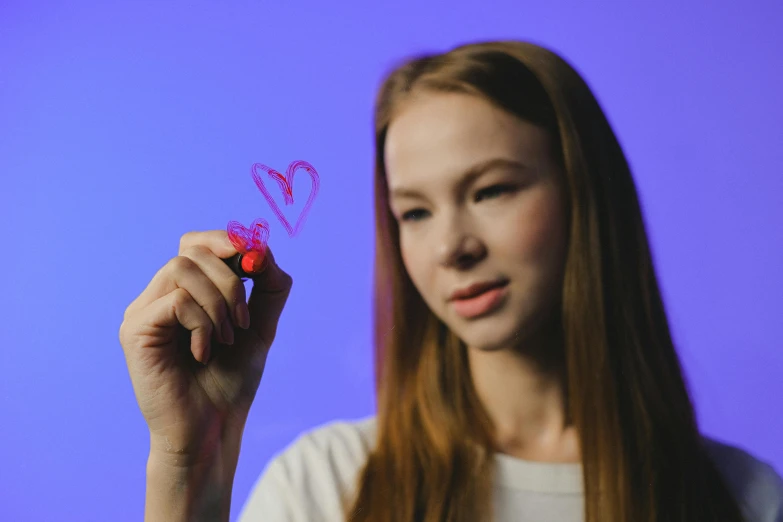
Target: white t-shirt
305,482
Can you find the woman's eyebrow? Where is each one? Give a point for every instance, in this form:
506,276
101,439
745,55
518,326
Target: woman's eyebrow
467,177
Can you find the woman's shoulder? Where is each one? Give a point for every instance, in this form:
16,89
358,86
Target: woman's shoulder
756,485
343,443
310,479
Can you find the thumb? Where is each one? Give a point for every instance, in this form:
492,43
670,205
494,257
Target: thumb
267,299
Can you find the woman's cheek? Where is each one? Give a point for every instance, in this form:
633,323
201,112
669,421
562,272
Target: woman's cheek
539,227
411,259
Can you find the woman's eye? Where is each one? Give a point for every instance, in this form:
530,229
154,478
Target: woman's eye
490,192
494,190
410,215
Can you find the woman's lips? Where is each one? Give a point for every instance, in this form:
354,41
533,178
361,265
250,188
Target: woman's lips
481,304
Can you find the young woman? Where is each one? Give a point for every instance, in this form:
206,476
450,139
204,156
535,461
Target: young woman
525,366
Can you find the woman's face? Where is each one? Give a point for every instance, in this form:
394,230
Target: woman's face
477,197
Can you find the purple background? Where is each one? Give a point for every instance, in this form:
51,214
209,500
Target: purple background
125,124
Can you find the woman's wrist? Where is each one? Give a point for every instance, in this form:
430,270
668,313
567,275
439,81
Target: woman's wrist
218,441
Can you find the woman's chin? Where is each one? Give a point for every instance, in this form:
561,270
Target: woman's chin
499,335
492,340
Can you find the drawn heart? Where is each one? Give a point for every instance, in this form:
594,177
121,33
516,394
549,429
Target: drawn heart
286,184
250,239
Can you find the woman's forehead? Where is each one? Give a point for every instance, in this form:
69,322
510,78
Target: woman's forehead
445,134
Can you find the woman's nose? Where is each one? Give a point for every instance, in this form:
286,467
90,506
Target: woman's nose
459,247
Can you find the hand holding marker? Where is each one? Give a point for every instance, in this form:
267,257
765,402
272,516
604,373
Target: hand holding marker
189,307
251,243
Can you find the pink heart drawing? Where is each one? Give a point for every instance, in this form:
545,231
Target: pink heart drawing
250,239
286,184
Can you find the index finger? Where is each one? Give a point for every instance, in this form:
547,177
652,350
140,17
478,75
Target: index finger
215,240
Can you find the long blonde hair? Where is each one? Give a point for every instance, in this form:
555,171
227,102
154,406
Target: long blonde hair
642,454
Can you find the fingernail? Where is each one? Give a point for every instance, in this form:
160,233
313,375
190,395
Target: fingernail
228,332
243,315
